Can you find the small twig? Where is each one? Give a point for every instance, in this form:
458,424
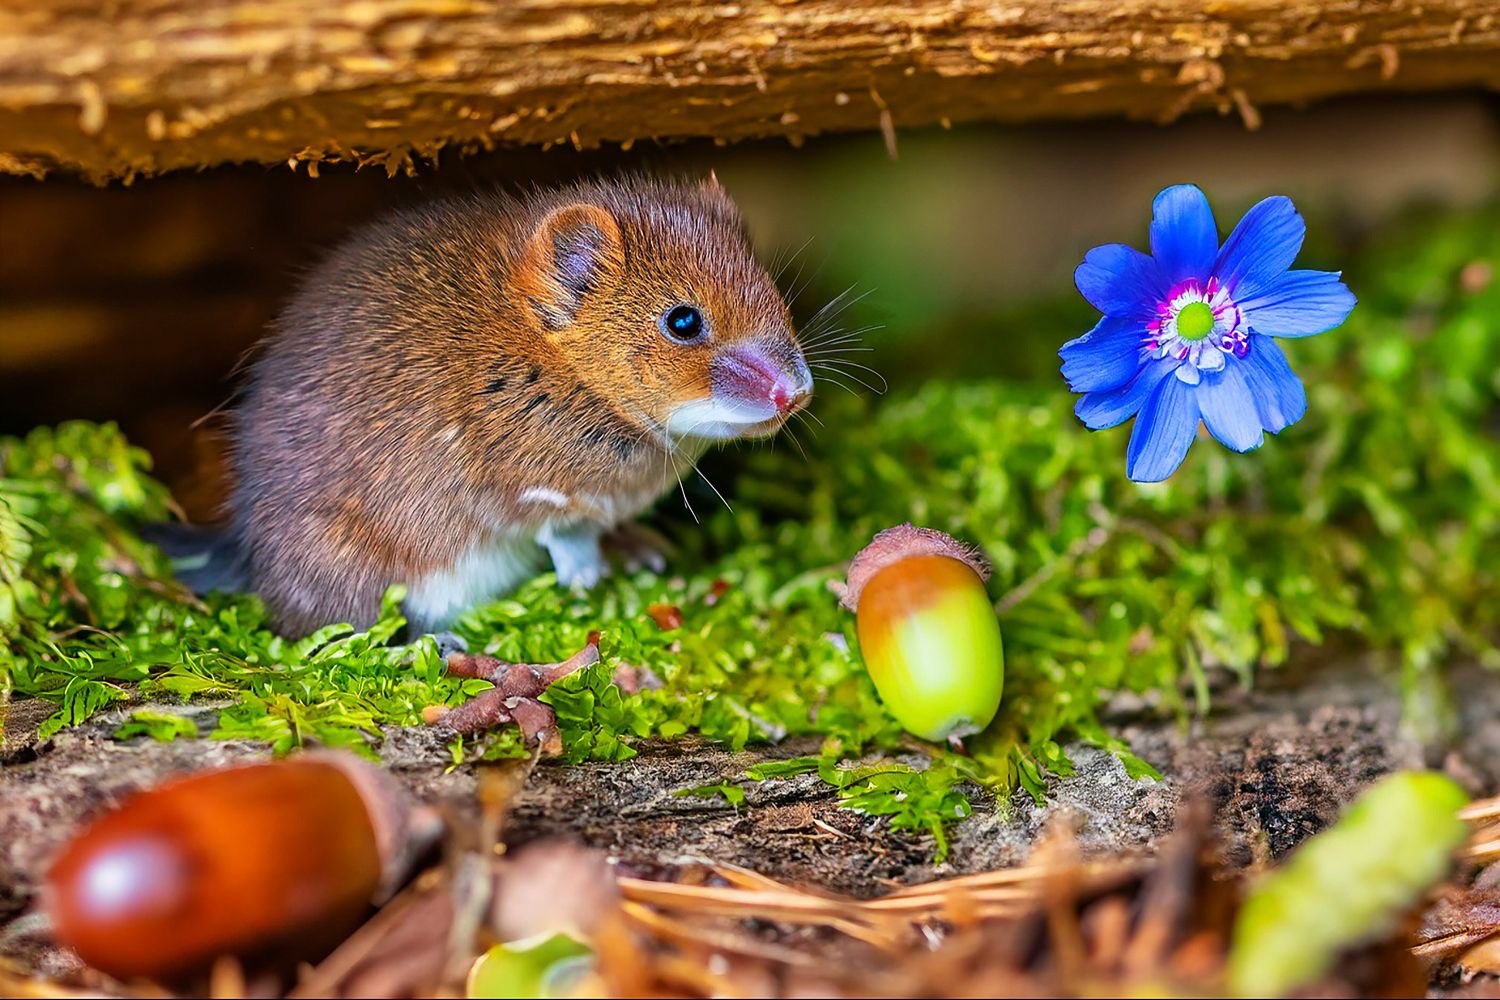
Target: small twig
832,830
1447,943
746,878
1004,876
695,934
939,898
1483,849
1482,809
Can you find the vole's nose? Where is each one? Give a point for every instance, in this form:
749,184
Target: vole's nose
760,374
793,388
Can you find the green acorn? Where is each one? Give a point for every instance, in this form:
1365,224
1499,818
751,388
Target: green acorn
927,631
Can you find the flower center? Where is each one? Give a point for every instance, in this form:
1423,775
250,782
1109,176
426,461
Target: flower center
1195,321
1200,326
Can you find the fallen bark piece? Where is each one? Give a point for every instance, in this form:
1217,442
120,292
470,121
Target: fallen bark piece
514,698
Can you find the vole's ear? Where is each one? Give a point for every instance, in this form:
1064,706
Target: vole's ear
574,251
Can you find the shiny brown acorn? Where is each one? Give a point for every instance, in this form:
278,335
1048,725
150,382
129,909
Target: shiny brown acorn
270,862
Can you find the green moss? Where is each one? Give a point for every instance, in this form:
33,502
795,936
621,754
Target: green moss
161,726
1375,516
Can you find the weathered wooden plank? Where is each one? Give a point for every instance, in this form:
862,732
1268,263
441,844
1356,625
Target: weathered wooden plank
144,86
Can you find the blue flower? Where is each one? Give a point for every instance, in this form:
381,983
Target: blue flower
1187,332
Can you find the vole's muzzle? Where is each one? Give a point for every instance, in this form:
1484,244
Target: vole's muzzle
766,378
754,387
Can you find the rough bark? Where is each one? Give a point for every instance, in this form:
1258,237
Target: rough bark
143,86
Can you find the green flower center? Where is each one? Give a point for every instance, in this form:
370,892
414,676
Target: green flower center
1195,321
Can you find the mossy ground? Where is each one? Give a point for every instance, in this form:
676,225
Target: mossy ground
1375,517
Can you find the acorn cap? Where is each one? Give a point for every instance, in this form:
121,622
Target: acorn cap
903,542
404,830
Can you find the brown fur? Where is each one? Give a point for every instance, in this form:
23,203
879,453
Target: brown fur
436,365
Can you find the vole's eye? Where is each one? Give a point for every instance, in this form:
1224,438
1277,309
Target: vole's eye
683,324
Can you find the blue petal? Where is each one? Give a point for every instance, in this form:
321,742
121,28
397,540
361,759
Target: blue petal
1279,397
1298,304
1184,237
1261,247
1099,410
1163,432
1228,408
1121,281
1106,356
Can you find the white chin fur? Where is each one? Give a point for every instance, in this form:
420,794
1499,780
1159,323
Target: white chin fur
711,419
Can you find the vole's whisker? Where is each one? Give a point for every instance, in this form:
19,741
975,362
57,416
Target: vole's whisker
827,366
787,428
847,389
682,487
838,339
852,364
840,301
834,351
658,431
838,334
714,488
836,306
669,460
669,452
663,440
791,292
799,286
841,385
779,263
810,428
825,317
784,263
817,345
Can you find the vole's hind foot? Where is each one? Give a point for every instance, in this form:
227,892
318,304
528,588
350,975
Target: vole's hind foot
576,555
448,643
638,547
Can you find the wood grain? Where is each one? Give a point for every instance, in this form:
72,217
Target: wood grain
143,86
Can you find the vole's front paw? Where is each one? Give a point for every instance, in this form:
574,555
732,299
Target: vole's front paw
638,547
583,574
576,555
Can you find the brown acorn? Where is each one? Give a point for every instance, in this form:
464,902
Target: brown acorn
270,862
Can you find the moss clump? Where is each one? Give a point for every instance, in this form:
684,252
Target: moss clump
1376,515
